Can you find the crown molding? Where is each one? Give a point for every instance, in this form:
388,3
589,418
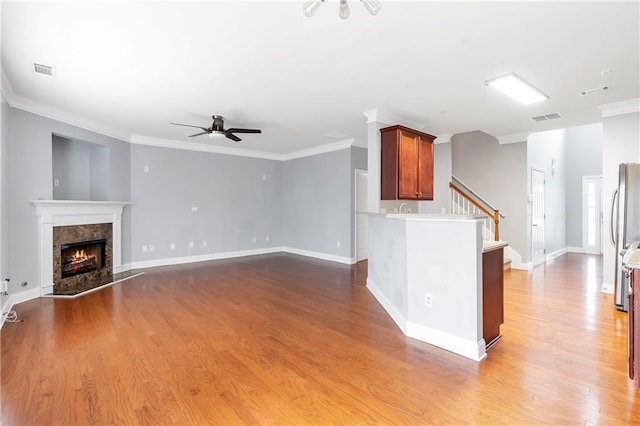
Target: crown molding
378,116
196,146
618,108
33,107
443,138
201,147
323,149
513,138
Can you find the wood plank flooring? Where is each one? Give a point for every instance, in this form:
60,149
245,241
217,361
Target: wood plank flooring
283,339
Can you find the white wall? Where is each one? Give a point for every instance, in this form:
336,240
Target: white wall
584,158
542,149
621,136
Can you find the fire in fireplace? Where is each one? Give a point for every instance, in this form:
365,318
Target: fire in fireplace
80,258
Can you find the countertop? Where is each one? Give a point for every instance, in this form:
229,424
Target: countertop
632,258
493,245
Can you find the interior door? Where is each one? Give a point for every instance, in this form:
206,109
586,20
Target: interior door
592,216
537,217
362,220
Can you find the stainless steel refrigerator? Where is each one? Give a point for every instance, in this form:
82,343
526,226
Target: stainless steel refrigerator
625,225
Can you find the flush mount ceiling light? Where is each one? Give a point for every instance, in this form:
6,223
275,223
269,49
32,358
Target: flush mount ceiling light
311,7
518,89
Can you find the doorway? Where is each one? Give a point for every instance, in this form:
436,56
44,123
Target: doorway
361,218
537,217
592,216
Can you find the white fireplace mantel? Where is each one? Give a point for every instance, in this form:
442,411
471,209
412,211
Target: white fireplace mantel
68,213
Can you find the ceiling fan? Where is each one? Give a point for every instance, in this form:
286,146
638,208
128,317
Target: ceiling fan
217,129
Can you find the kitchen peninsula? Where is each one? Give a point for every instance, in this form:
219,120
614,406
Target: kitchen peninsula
426,271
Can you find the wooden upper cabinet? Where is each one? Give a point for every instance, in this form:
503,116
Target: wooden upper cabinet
407,164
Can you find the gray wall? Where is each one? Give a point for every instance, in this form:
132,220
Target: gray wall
441,179
584,158
621,144
234,203
542,149
5,270
358,161
498,173
317,203
30,178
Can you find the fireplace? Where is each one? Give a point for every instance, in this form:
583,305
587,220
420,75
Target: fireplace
69,221
80,258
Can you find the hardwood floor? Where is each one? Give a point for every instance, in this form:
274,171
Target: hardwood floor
291,340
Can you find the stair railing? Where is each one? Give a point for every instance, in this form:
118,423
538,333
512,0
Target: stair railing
465,201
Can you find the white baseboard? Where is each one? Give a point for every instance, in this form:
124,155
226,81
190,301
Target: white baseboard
467,348
17,298
318,255
198,258
395,315
607,288
555,254
578,250
6,307
458,345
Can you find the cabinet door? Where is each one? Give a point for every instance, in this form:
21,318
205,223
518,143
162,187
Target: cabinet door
407,165
425,169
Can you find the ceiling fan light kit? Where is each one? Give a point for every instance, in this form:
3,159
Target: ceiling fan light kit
309,8
217,130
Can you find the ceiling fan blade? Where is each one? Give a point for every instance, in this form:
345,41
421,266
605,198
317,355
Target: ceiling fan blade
198,134
232,136
244,131
189,125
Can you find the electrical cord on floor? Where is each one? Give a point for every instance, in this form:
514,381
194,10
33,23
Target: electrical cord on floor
11,316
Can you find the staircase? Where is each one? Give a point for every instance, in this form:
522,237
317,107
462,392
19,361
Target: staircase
465,201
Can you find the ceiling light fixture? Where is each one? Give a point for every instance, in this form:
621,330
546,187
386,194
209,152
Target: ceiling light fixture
516,88
311,7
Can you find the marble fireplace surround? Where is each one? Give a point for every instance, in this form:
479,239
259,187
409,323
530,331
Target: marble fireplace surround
53,213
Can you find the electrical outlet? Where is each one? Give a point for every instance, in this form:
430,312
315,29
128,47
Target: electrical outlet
266,238
172,246
254,239
145,248
338,244
264,177
443,210
204,243
152,247
194,209
428,300
146,169
190,244
56,182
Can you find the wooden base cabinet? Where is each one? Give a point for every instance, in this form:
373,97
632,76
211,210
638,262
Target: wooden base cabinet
407,164
492,295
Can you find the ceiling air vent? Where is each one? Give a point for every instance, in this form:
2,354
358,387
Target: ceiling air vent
545,117
43,69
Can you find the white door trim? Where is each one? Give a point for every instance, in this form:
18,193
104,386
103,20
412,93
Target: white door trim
538,255
595,248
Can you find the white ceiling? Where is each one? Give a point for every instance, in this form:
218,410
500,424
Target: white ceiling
130,68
